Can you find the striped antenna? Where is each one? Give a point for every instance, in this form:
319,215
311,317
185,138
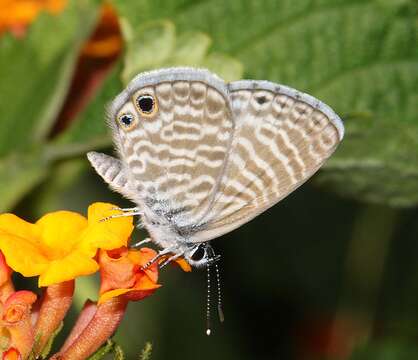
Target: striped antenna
214,259
208,329
218,282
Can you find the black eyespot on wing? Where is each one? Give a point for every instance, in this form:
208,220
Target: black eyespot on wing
146,103
261,100
126,120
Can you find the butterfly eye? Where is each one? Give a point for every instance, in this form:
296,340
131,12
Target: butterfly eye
146,105
127,121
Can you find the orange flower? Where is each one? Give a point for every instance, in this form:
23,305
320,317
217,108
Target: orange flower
12,354
61,245
106,41
122,274
16,15
17,306
5,270
184,265
6,286
15,322
122,280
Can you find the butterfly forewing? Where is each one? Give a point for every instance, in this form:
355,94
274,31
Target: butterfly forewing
281,139
176,157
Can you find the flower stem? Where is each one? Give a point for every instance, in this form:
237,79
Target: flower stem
86,315
103,324
55,303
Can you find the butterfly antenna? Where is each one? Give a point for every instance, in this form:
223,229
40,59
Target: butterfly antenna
208,329
218,281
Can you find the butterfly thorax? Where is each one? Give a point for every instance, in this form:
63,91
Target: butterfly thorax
169,227
167,236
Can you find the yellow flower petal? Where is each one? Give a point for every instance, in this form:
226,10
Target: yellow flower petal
61,230
99,210
111,294
22,255
14,225
67,268
109,234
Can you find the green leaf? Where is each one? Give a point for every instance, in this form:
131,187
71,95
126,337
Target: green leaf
227,67
191,48
89,130
388,350
49,195
36,71
157,44
148,46
359,56
18,174
35,75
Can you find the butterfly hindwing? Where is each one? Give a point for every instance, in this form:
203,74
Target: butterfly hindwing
281,138
112,171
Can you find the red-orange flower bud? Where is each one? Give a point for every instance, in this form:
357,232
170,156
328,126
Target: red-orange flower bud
17,307
122,274
12,354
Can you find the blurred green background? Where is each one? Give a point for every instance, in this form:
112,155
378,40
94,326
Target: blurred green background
329,273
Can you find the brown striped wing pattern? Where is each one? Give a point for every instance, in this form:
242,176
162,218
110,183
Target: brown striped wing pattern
175,157
281,138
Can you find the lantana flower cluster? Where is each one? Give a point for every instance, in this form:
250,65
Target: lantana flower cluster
58,248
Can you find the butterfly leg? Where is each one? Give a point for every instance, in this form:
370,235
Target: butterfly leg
170,259
133,213
156,257
138,244
134,209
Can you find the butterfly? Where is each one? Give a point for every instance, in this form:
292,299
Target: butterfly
201,157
